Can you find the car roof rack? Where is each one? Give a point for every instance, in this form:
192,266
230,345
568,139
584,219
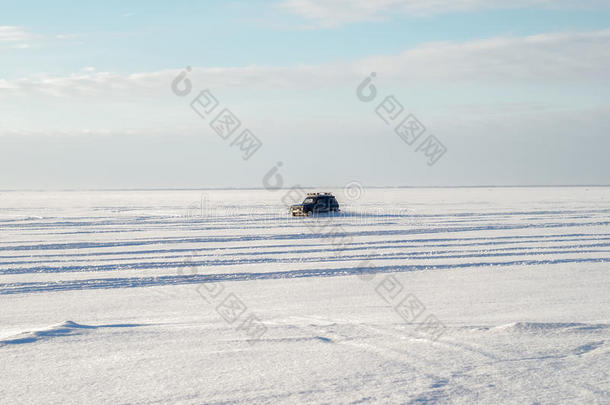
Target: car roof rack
313,194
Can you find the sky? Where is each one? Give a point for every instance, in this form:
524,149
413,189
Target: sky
502,93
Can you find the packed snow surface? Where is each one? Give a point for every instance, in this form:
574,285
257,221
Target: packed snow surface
448,295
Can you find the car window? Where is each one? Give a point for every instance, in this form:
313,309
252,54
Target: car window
308,200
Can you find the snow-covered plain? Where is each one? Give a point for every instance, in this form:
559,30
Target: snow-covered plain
454,295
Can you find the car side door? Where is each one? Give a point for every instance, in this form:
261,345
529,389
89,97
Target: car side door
322,204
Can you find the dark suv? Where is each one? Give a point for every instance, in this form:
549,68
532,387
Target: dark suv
315,203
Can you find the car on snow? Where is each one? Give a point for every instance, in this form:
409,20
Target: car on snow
315,203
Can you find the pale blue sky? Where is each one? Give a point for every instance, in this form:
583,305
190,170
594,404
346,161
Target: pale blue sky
516,91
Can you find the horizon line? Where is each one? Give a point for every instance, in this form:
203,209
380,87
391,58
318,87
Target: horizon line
305,187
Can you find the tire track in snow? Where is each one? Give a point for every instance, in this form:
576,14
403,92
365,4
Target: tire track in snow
132,282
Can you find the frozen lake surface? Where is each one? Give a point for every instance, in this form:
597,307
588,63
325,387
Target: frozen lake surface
446,295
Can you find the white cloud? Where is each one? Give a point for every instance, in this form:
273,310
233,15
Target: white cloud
16,36
13,34
330,13
546,57
146,84
578,57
